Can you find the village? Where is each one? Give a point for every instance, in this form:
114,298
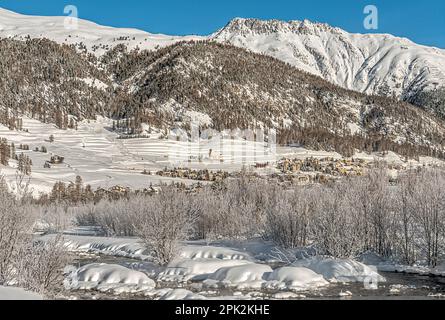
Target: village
286,170
328,166
198,175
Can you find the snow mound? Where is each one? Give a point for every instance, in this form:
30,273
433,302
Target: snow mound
117,247
11,293
374,260
249,276
199,262
287,296
199,252
294,278
342,270
371,259
185,269
178,294
107,277
393,267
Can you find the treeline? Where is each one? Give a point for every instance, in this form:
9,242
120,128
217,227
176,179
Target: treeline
8,151
346,144
71,193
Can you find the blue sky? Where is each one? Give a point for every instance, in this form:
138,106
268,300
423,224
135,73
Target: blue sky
421,21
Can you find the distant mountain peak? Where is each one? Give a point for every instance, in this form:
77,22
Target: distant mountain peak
245,26
378,64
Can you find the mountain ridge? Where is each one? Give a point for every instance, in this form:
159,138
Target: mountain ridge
379,64
376,64
225,85
89,35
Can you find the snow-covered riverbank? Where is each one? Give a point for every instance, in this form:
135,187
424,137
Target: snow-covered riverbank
108,268
201,270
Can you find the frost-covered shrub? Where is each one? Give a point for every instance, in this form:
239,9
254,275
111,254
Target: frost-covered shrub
87,215
355,215
287,217
23,262
421,216
114,217
403,219
163,221
54,218
15,227
233,211
40,264
336,230
370,202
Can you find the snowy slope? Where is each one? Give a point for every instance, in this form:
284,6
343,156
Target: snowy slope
93,36
371,63
94,153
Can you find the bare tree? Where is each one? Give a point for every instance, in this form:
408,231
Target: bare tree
163,221
405,208
15,228
430,201
288,217
40,265
336,227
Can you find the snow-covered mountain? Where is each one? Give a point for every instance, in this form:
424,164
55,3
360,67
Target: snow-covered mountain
225,84
89,35
378,64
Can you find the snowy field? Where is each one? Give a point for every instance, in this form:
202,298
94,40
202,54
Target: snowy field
94,153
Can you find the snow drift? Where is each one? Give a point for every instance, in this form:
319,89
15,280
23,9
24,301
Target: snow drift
341,270
295,278
108,278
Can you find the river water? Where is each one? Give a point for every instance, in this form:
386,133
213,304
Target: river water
397,286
